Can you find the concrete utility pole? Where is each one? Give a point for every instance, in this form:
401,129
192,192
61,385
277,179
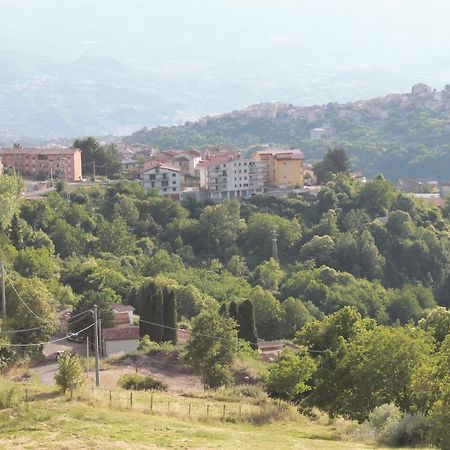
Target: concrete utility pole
93,169
3,294
100,337
97,359
87,355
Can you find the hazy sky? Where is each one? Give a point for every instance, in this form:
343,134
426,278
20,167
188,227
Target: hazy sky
370,29
198,57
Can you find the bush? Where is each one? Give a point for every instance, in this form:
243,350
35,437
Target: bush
149,347
387,426
141,383
411,430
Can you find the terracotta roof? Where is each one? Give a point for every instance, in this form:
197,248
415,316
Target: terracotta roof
121,334
39,151
122,308
121,318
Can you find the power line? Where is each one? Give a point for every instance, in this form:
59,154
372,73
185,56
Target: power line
208,336
23,330
23,301
48,342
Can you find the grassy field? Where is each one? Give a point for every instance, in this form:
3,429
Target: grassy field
52,421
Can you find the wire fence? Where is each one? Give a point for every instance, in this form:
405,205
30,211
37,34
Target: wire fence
154,402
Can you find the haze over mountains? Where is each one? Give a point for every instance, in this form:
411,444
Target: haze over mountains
77,67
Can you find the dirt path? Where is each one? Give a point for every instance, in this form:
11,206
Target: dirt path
168,368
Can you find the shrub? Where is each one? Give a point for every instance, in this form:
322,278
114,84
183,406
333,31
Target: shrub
387,426
141,383
149,347
411,430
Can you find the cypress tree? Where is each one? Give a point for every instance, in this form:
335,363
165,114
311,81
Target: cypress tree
223,310
156,330
170,316
246,322
233,310
151,310
146,296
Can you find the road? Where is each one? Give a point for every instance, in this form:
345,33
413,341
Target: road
47,368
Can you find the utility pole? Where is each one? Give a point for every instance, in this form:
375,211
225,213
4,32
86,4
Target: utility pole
274,244
93,169
100,337
97,359
87,355
3,294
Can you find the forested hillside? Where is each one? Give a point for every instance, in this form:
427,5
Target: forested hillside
400,135
360,275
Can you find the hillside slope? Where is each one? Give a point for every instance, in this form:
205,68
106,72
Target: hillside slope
401,135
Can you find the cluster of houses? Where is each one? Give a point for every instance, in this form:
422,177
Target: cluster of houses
222,173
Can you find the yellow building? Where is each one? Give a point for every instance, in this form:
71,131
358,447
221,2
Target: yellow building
284,167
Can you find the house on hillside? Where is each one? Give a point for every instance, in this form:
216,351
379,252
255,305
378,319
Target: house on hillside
120,340
166,179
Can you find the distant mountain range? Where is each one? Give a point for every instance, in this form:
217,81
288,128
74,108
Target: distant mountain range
401,135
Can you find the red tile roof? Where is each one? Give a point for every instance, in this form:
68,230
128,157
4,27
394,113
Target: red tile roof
121,334
122,317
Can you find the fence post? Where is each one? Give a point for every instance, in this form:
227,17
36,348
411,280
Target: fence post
240,411
189,410
151,403
110,397
131,399
207,410
223,414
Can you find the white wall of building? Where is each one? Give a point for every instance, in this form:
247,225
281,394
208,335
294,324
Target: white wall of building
166,180
122,346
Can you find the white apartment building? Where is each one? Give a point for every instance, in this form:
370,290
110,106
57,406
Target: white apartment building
231,177
166,179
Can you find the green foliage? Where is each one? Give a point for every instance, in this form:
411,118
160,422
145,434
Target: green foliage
268,313
334,162
269,275
136,382
246,323
288,377
211,349
11,188
170,316
70,372
31,262
103,300
151,310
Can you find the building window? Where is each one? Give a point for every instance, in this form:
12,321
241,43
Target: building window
152,177
174,174
174,189
153,184
42,157
174,182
